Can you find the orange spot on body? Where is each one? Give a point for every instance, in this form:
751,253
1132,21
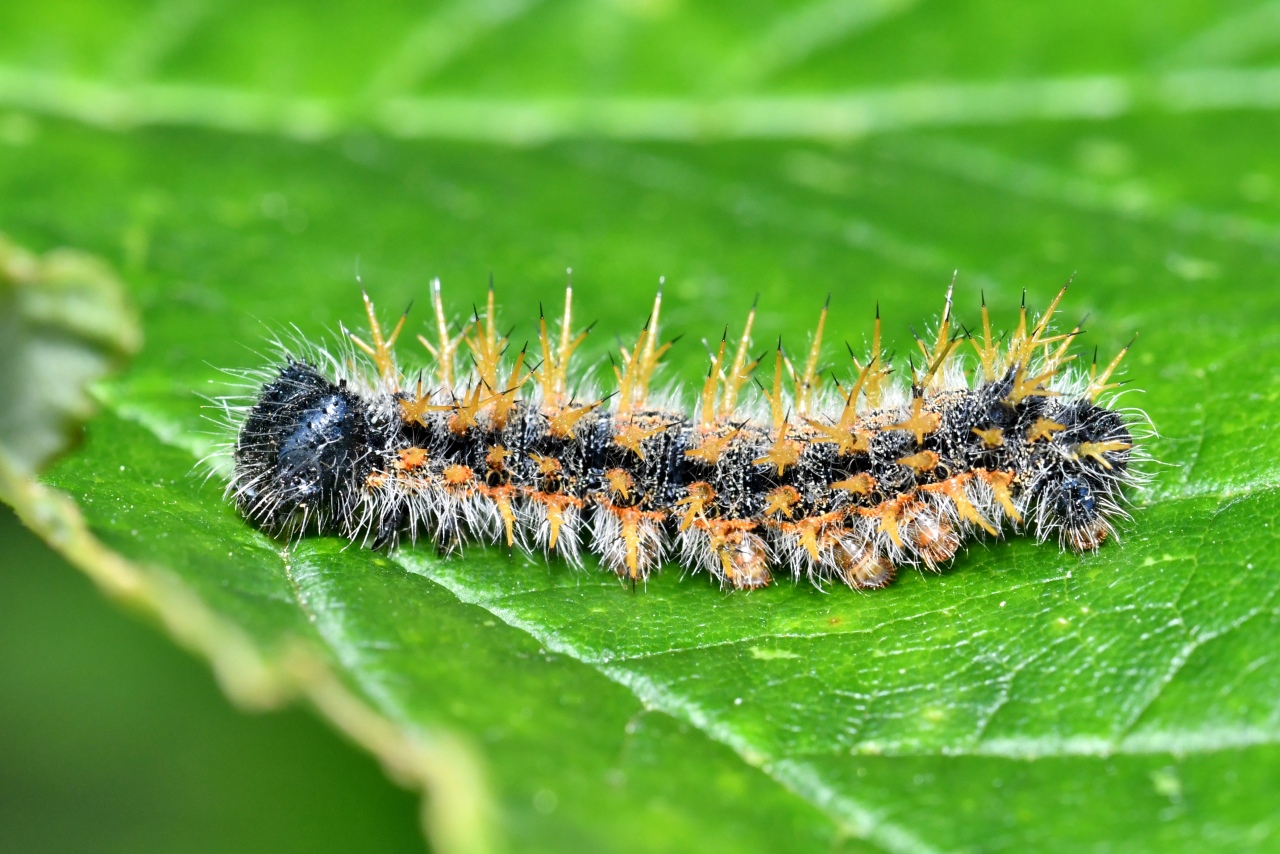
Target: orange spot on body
410,459
496,458
924,461
859,484
547,466
457,475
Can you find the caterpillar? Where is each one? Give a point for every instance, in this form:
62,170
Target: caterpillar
799,475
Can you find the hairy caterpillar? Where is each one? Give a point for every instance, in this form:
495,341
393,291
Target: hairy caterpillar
842,483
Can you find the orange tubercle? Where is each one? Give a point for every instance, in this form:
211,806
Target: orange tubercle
922,462
410,459
458,475
859,484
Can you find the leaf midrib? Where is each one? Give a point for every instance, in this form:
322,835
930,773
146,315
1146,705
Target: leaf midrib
528,120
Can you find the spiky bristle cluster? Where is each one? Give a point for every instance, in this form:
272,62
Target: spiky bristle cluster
840,483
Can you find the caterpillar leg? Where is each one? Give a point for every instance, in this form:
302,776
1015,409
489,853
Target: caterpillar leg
930,535
744,558
1088,538
861,565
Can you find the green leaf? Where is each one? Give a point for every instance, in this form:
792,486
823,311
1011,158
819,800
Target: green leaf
242,166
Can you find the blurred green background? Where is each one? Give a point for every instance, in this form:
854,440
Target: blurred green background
113,740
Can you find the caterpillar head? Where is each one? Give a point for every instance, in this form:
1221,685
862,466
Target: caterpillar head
302,453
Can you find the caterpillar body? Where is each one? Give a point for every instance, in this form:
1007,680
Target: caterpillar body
836,482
